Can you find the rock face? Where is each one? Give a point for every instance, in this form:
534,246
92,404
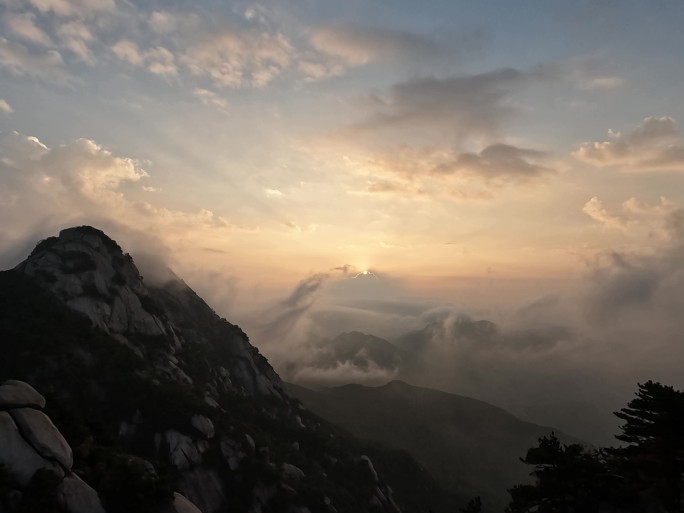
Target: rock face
77,497
30,442
90,273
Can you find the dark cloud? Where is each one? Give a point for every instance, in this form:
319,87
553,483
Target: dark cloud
466,105
280,320
498,162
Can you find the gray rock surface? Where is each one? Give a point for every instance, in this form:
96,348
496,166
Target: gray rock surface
204,425
183,453
232,452
14,394
203,487
182,505
37,429
77,497
20,459
292,474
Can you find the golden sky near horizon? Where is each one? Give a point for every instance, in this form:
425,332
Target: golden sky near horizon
262,142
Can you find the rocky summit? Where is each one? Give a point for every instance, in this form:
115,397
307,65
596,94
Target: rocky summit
126,395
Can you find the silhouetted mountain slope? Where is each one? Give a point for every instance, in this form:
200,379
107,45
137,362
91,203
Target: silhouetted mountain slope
155,393
468,445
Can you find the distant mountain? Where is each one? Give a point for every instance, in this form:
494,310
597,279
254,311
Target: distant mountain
469,446
156,395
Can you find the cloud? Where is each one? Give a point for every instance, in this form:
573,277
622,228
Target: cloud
5,108
210,98
603,83
48,65
655,145
470,105
162,22
157,60
23,25
83,182
498,162
357,46
594,208
239,57
419,171
280,320
74,8
633,212
76,36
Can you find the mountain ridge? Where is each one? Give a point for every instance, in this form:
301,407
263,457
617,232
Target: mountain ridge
468,445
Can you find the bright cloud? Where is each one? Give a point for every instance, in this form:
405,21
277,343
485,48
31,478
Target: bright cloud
5,108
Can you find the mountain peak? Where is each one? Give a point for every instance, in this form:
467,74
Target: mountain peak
88,270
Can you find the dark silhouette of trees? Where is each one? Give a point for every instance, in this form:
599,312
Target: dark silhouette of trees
643,475
473,506
569,479
654,455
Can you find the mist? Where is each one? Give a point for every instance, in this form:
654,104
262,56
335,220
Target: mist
567,359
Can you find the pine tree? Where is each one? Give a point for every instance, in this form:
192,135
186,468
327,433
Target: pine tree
654,432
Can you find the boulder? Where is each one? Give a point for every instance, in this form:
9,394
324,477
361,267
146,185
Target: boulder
203,425
18,457
183,453
14,394
232,452
182,505
39,431
75,496
292,474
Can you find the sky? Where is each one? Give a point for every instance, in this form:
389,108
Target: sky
519,162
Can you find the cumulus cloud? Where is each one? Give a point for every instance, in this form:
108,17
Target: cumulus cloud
45,188
594,208
632,212
655,145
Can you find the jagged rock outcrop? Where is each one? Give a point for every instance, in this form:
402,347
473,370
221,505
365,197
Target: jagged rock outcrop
90,273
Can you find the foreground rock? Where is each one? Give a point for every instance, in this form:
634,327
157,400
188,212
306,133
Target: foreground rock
30,443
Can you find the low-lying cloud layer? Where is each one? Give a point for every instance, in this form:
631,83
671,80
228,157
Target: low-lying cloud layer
563,360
